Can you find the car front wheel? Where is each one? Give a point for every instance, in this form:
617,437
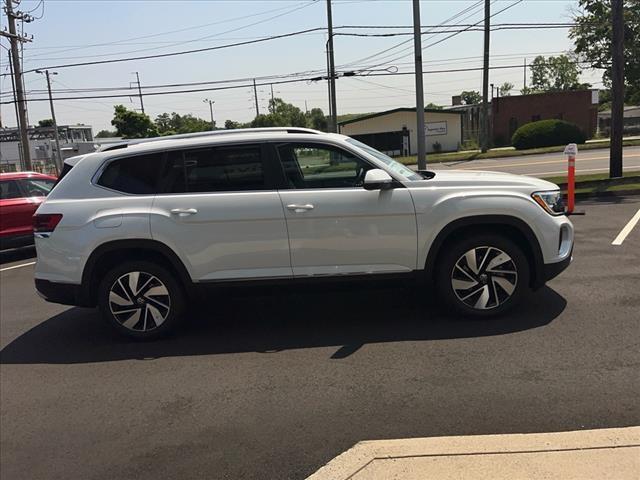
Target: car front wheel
141,300
483,275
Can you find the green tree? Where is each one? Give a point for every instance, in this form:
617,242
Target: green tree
231,125
131,124
317,120
592,36
106,134
555,74
471,97
47,122
433,106
505,89
177,123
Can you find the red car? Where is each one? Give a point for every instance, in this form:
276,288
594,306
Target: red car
20,195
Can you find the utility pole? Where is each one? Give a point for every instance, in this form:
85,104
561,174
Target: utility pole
271,92
617,89
484,117
333,123
255,94
139,91
417,50
524,78
58,159
14,39
210,102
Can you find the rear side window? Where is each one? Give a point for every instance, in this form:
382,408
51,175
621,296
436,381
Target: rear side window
222,169
138,175
9,189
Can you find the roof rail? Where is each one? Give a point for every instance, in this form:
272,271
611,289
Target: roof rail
212,133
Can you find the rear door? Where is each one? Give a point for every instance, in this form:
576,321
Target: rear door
219,212
15,209
336,227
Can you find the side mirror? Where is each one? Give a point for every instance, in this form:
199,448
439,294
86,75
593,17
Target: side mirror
377,179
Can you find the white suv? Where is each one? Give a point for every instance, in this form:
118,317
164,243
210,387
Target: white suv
138,229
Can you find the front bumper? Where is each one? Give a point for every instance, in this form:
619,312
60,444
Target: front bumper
552,270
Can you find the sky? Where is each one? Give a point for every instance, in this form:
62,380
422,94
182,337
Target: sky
89,30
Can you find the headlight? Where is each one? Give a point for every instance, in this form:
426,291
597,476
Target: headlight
550,201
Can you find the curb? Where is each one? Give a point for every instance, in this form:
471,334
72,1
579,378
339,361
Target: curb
584,454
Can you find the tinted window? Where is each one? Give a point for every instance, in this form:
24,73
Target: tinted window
37,187
133,174
320,166
215,170
9,189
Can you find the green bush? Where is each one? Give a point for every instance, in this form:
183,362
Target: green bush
547,133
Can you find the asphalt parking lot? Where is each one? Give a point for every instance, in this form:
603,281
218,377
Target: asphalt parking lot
274,384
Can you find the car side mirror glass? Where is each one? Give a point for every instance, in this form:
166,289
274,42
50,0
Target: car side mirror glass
377,179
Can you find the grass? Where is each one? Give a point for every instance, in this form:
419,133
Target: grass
506,152
600,183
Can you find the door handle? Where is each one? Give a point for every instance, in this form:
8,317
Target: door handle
183,212
300,208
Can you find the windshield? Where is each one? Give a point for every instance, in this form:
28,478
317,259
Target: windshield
394,166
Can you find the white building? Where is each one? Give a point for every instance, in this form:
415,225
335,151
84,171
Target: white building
74,140
394,131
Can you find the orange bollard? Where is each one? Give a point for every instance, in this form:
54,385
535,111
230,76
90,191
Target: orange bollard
571,184
571,150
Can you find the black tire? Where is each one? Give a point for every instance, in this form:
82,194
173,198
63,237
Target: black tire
487,297
154,320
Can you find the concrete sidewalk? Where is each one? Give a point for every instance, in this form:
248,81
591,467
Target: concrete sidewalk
587,454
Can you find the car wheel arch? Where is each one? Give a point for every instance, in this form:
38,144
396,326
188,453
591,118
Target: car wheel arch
135,248
509,225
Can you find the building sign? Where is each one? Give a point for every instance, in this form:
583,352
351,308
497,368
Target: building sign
435,128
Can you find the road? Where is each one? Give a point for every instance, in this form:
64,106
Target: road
549,164
275,384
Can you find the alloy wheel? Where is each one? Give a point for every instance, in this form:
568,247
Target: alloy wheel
484,278
139,301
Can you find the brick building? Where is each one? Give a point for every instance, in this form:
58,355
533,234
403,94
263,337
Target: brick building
577,106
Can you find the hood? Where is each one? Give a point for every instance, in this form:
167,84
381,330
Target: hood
475,178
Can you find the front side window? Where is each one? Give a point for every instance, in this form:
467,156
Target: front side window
37,187
137,175
222,169
321,166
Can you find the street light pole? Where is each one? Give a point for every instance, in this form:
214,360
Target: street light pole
58,159
420,127
210,102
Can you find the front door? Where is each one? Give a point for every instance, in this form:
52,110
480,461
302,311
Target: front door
220,215
335,225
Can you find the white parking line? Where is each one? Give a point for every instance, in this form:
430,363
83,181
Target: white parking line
17,266
627,229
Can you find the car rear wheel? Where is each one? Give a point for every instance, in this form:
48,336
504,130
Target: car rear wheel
141,300
482,276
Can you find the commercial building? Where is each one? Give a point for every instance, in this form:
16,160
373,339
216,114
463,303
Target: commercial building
394,131
74,140
631,123
511,112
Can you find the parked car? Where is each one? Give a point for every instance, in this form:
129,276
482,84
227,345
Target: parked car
21,194
141,229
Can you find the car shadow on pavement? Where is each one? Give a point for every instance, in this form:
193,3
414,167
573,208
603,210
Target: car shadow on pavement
274,321
17,254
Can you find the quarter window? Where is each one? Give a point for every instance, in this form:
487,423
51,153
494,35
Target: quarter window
321,166
215,170
138,175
